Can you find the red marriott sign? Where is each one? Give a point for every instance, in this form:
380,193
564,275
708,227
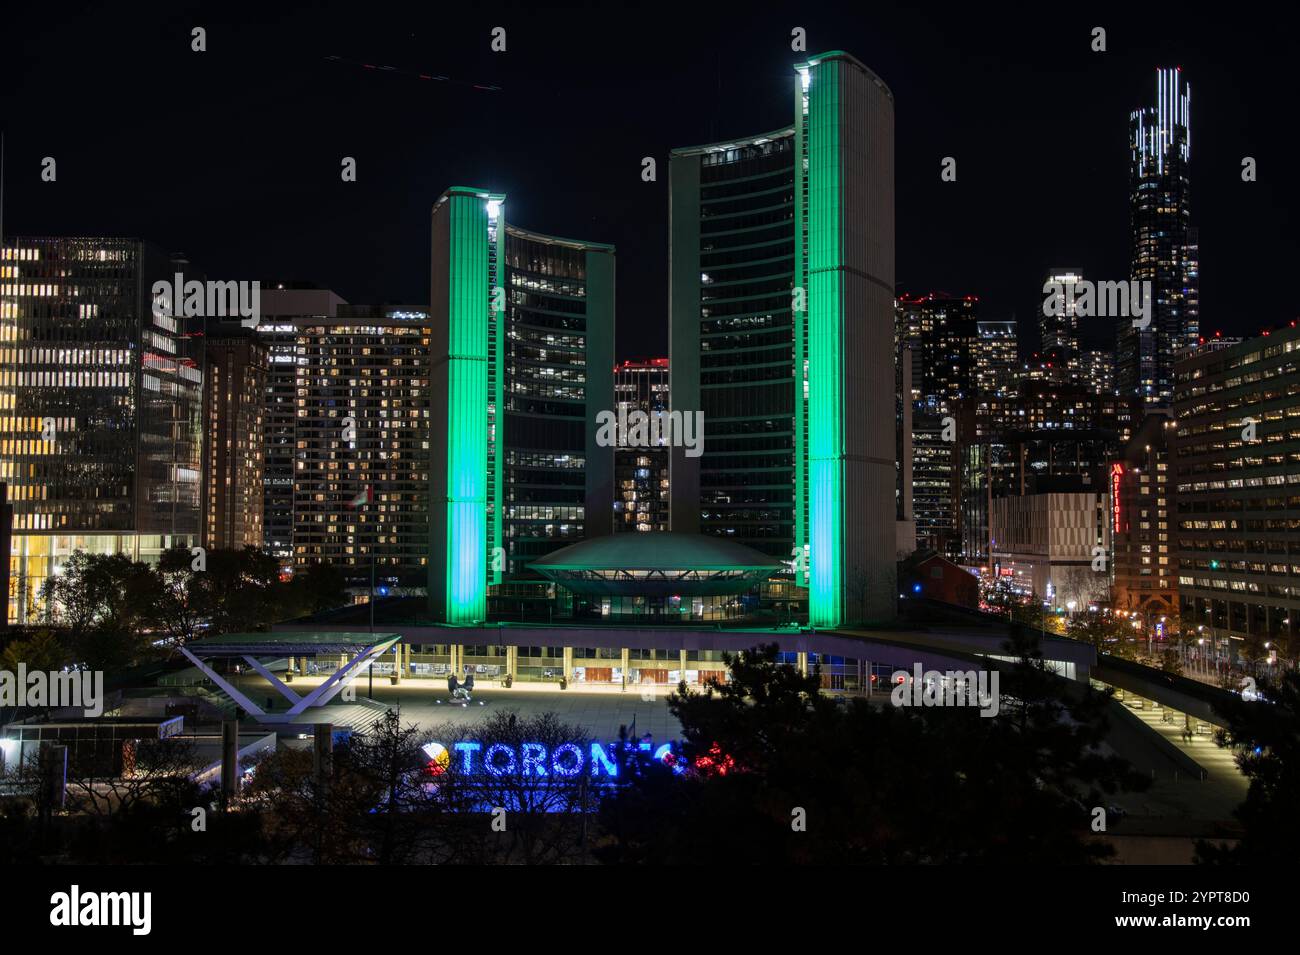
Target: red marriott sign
1116,472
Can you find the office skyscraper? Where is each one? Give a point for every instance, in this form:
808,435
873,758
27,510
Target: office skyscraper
1144,560
1163,242
1097,371
522,347
781,300
935,471
1233,486
100,404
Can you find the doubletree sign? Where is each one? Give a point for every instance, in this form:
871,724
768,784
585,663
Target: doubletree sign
534,759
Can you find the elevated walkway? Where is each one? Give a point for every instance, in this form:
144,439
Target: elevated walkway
362,648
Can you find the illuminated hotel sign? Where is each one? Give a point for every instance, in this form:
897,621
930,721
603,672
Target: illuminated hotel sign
1116,472
533,759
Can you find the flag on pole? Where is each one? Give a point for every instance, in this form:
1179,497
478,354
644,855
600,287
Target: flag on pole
365,497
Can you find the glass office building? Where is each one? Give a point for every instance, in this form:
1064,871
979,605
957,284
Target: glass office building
1235,490
100,406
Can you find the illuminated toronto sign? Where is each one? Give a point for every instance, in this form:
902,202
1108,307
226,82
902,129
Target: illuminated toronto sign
566,760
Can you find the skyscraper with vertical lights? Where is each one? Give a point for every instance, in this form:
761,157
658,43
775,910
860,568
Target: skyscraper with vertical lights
522,347
1164,245
781,331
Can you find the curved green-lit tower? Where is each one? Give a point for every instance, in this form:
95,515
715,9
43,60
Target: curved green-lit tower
522,357
781,305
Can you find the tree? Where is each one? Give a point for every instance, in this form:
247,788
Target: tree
153,770
543,815
373,804
104,601
42,651
300,824
1253,649
1264,735
386,800
392,767
772,771
861,584
1029,612
1082,585
183,599
1105,632
245,587
1048,743
315,588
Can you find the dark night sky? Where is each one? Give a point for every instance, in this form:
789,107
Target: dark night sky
233,155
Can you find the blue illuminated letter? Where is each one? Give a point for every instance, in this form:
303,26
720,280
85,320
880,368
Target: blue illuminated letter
534,758
490,760
599,757
467,751
559,768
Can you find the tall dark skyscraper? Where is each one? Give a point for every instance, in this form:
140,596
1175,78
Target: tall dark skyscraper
1164,244
1059,333
942,331
234,441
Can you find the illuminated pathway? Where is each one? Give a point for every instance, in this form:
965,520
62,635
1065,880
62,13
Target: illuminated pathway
1178,802
426,703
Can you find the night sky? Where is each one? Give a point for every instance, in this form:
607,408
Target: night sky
233,155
